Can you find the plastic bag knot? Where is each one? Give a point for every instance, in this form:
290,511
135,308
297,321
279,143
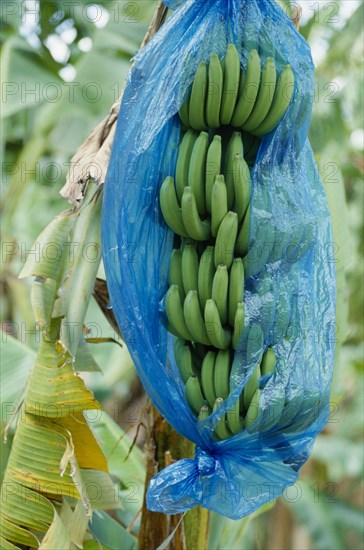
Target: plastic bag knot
206,464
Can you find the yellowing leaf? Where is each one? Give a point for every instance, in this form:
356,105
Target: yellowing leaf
25,507
55,390
87,450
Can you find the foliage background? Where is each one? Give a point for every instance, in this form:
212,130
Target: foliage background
63,65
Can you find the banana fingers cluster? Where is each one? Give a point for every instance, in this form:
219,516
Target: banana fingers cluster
223,94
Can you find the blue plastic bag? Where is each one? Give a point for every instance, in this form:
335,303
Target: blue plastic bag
290,284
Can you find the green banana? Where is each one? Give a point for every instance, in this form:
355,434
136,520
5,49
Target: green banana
235,421
241,86
253,413
225,240
222,374
231,84
183,113
189,267
185,363
213,168
214,92
281,100
207,377
183,161
204,413
170,208
249,91
178,345
198,97
235,146
193,318
255,340
242,184
186,241
283,317
238,324
292,407
242,242
193,394
174,312
219,206
219,336
173,331
175,272
197,170
264,239
274,413
269,361
251,386
221,429
236,288
220,288
206,271
265,96
197,229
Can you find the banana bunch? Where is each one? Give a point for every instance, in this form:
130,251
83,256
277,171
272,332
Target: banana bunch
206,203
223,94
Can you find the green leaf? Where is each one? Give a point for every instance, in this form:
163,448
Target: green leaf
317,519
230,534
341,43
94,545
342,247
83,271
17,534
75,521
342,458
43,293
25,507
49,247
57,536
84,361
26,81
36,458
111,533
55,391
102,493
6,545
349,518
17,360
116,445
